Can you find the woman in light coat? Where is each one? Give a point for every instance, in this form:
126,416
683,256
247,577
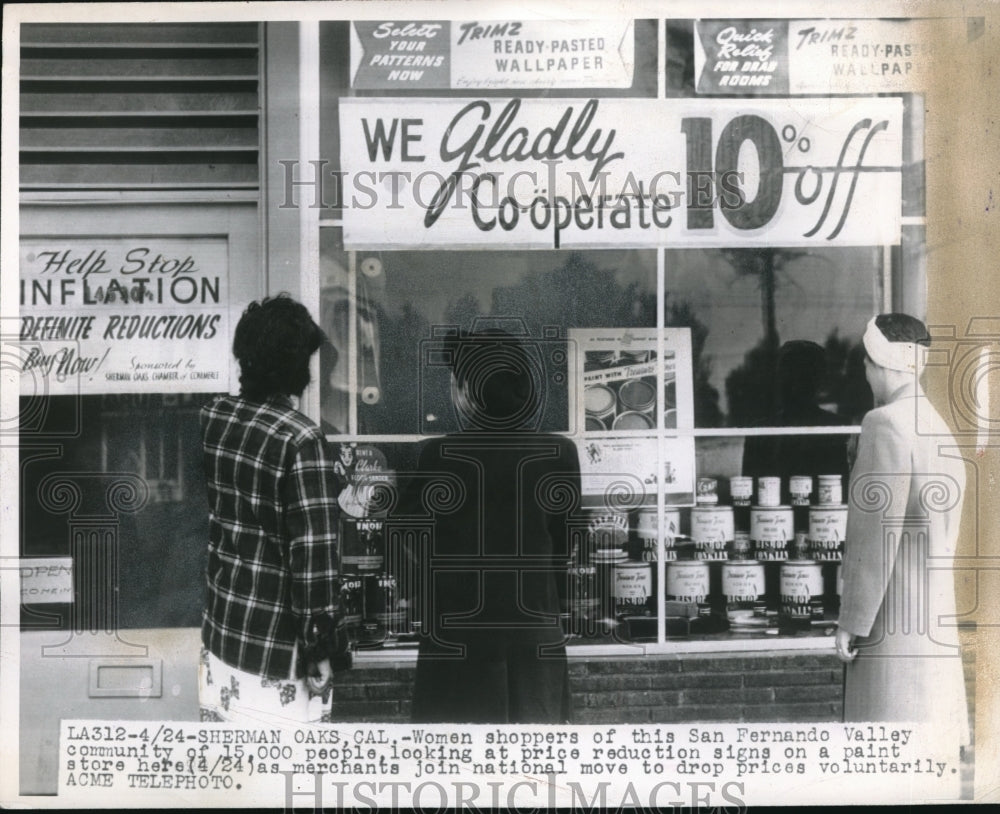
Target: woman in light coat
897,627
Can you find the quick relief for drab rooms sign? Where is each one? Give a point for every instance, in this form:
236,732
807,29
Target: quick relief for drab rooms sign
551,173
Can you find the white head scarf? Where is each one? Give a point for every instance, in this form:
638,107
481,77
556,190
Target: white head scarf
909,357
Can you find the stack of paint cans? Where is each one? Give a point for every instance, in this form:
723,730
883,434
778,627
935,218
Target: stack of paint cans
743,577
828,521
599,402
741,496
827,533
582,599
772,528
690,581
362,544
633,588
800,489
382,618
648,535
801,592
352,601
647,549
362,566
712,525
772,525
744,592
607,535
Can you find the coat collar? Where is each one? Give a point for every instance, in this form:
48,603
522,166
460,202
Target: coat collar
909,390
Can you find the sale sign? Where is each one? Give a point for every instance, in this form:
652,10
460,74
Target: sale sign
549,173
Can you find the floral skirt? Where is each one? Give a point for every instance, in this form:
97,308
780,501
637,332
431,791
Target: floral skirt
228,694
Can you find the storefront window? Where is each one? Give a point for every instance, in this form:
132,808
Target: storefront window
720,359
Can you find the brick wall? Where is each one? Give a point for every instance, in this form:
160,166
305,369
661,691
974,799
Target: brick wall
378,693
731,687
652,689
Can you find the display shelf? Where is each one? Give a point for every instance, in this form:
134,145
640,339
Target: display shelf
715,644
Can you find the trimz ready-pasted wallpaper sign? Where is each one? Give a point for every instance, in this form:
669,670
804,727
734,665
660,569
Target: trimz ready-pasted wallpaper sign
492,54
123,315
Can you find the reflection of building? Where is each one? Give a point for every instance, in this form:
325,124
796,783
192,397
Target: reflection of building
218,138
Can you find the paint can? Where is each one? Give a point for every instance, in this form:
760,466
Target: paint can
688,581
768,492
827,531
606,530
771,529
632,421
802,590
599,402
637,395
741,490
646,525
605,563
633,587
800,488
648,534
706,491
743,587
712,529
352,599
582,600
830,491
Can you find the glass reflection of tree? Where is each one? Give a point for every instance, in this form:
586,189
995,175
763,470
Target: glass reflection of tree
706,398
752,388
766,265
576,294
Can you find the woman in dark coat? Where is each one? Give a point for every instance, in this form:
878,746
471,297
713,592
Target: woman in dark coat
495,498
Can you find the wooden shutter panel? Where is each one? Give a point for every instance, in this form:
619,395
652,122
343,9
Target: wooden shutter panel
126,106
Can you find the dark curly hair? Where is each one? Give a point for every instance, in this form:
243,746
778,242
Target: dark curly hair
273,343
903,328
498,377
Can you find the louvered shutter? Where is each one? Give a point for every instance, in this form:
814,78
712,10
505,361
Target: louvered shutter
124,106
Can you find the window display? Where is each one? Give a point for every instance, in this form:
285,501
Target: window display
712,381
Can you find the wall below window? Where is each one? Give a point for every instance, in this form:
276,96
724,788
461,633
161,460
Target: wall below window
806,686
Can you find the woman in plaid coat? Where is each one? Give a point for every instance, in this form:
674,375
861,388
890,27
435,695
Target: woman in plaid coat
271,623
